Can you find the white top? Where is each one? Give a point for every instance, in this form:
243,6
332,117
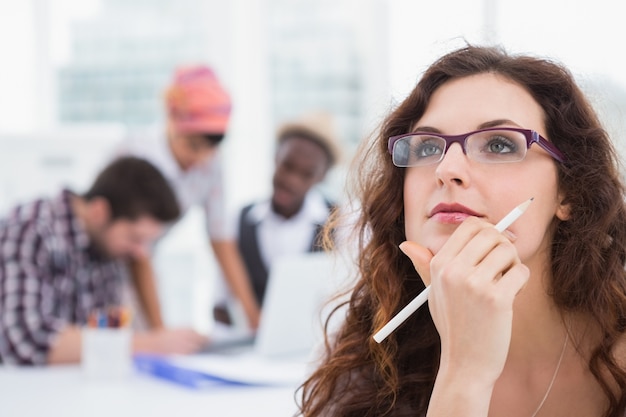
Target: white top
279,236
202,184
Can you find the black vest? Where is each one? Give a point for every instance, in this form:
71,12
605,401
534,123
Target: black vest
249,248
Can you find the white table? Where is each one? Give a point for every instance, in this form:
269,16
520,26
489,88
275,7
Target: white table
66,391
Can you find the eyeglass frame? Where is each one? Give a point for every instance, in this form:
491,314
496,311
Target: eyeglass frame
530,135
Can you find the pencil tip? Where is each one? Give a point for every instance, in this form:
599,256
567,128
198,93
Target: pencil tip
525,204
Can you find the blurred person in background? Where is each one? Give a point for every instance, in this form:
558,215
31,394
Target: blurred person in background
62,259
290,221
187,152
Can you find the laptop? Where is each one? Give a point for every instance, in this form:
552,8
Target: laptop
295,308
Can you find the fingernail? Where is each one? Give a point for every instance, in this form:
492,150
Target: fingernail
510,235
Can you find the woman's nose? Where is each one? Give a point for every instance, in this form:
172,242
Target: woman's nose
454,167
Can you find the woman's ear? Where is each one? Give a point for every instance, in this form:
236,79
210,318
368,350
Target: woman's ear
563,211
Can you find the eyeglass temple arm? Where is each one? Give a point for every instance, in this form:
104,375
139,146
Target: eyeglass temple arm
548,146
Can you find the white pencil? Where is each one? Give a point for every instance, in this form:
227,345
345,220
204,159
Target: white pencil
417,302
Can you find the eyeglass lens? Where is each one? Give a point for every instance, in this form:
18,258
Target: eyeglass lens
493,146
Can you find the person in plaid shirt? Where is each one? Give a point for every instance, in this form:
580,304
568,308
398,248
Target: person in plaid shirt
61,258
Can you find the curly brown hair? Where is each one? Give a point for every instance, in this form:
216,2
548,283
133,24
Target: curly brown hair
359,377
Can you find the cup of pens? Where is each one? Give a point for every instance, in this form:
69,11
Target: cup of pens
107,344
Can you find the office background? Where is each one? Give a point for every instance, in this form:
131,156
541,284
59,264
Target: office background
78,75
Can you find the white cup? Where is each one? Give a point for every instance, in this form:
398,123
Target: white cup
107,352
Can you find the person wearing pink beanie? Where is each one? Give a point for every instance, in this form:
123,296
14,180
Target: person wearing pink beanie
198,110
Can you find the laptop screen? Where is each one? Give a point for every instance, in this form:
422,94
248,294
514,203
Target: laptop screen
295,307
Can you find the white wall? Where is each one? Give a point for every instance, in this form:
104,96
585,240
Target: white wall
40,162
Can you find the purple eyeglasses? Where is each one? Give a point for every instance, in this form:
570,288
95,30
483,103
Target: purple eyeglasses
492,145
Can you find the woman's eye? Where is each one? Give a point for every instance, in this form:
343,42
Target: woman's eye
427,149
500,144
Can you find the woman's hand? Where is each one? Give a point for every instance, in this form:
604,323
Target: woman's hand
474,279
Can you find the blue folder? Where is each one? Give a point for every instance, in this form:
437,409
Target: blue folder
160,367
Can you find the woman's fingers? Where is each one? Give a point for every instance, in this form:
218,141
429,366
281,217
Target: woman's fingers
475,277
420,256
514,280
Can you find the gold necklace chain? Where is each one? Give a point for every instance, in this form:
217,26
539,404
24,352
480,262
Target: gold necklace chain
556,371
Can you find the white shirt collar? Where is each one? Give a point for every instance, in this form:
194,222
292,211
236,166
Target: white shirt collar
314,210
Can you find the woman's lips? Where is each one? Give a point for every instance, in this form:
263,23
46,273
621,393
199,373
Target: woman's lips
451,213
448,217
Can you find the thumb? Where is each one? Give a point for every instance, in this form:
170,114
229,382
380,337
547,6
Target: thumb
420,256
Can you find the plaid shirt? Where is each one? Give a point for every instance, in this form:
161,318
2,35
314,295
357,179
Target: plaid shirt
50,277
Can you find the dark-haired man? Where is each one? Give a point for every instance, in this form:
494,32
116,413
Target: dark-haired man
62,258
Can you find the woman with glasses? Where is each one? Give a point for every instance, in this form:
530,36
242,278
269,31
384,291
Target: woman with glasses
527,322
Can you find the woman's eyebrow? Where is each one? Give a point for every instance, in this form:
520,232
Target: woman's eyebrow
497,122
484,125
426,129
